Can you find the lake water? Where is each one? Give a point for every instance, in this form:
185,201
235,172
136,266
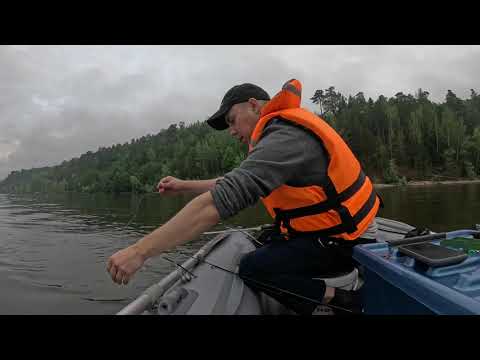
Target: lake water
54,247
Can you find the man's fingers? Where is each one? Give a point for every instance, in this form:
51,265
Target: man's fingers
119,276
162,186
166,184
113,272
165,180
161,182
123,265
165,188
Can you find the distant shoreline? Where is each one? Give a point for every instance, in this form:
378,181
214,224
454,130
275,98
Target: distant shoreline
376,185
428,183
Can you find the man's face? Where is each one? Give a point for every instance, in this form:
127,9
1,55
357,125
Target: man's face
241,120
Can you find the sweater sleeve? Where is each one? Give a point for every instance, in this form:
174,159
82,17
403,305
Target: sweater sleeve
283,153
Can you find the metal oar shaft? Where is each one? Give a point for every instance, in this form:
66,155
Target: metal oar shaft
257,228
229,230
149,296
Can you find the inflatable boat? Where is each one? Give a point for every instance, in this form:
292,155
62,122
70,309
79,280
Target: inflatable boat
207,284
391,280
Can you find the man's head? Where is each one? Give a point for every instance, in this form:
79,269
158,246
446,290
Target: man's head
240,110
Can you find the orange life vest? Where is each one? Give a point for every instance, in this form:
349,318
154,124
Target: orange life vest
344,204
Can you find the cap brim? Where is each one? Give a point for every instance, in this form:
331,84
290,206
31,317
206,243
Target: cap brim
217,120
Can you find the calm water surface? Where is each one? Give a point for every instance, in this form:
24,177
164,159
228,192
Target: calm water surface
54,247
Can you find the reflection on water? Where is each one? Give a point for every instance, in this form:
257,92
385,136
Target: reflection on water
438,207
53,247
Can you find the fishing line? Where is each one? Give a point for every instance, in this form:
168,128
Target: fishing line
180,266
267,286
262,284
135,213
247,234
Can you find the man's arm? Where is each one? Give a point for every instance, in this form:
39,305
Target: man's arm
171,185
285,154
200,186
197,216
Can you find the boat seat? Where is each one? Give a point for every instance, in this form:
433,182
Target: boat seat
349,281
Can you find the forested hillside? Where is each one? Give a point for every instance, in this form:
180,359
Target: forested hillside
405,137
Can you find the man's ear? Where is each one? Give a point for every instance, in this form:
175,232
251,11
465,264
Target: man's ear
255,105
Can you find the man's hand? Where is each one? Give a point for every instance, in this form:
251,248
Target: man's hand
124,264
199,215
170,185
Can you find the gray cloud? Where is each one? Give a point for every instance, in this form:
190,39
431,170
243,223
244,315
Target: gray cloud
57,102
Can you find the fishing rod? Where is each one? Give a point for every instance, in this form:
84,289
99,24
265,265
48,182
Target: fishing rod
244,231
229,229
431,237
393,232
180,266
150,296
266,285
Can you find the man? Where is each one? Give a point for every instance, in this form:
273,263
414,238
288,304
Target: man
309,181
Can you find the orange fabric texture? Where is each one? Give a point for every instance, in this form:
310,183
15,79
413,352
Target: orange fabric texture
343,171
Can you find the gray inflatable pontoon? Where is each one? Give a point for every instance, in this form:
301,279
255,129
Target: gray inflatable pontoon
206,284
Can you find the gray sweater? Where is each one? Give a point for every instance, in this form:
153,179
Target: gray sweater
285,154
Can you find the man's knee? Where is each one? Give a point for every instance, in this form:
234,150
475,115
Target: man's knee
248,266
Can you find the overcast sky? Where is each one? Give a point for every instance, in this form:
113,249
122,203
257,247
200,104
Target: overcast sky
57,102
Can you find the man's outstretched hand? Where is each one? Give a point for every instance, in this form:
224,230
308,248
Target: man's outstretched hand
124,264
170,185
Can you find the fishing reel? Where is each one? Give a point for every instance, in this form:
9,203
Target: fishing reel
268,233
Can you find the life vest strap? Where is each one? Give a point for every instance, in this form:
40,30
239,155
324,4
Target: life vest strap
348,225
333,201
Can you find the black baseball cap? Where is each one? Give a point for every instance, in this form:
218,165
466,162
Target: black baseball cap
236,95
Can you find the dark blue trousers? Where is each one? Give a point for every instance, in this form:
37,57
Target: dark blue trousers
291,264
